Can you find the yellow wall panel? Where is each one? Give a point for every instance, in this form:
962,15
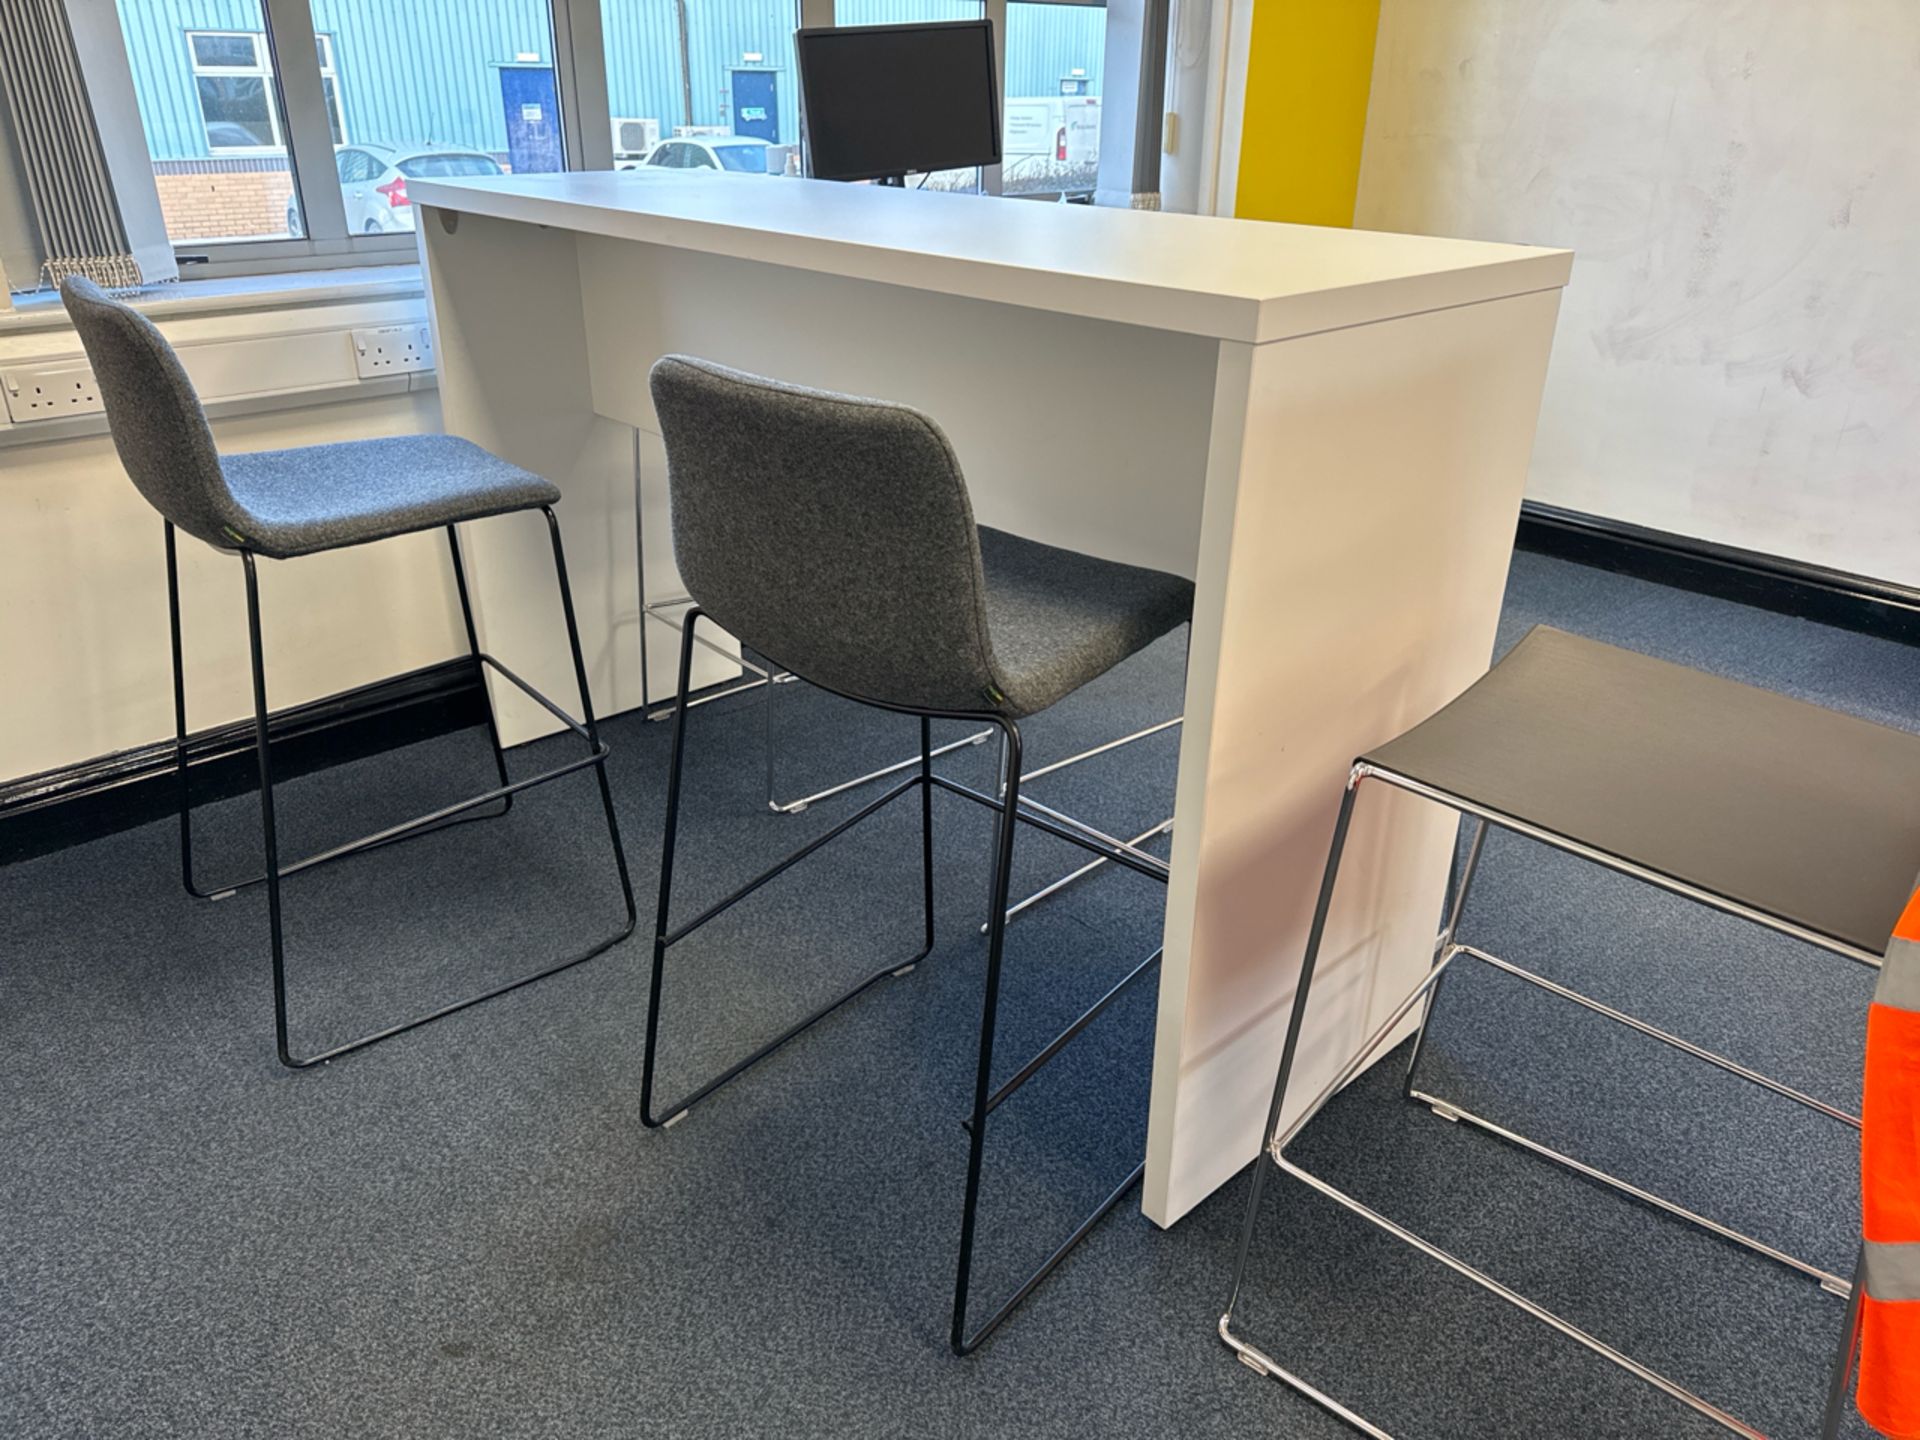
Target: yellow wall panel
1309,68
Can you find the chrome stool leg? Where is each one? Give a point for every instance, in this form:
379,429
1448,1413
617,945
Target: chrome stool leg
661,612
1846,1355
1456,905
1448,949
1448,1110
1459,1114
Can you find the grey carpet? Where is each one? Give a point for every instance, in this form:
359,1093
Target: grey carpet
467,1232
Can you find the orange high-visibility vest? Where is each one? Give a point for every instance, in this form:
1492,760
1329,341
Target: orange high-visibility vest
1889,1386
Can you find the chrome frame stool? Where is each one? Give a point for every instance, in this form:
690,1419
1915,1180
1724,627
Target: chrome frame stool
987,1097
1447,949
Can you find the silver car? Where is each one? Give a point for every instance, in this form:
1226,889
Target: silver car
373,182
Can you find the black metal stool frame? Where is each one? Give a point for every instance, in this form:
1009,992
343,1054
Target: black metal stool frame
986,1097
1447,949
274,873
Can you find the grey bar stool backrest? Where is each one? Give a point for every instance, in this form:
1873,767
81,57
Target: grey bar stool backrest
831,534
154,413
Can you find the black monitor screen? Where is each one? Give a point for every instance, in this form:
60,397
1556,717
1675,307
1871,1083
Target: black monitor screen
886,100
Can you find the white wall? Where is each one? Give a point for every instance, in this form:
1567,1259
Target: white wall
83,610
1207,43
1739,352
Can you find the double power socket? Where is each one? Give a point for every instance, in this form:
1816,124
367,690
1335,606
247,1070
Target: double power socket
53,392
48,392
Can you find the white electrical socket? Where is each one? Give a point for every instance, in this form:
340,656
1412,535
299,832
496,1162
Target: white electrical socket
392,350
47,392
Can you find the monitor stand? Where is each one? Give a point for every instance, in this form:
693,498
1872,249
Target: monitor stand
899,181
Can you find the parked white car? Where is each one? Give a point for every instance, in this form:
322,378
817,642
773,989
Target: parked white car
744,154
373,182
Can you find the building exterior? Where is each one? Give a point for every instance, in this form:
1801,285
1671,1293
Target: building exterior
455,73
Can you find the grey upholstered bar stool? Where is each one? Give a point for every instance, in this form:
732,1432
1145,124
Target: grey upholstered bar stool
834,536
279,505
1791,816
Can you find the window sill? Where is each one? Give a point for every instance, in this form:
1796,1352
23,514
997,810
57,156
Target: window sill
233,295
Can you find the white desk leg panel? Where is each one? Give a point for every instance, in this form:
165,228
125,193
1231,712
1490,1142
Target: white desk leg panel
1362,493
511,350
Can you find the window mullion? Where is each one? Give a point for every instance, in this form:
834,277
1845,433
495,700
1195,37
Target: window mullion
580,67
1132,107
992,177
296,61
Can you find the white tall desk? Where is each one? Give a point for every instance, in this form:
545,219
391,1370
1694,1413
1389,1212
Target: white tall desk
1327,429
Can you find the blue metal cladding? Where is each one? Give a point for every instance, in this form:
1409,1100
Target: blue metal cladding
427,71
1045,43
156,34
643,59
1048,43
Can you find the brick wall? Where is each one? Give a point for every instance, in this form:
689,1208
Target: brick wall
223,199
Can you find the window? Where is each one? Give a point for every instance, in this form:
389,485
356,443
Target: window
329,87
444,88
1051,120
215,123
712,82
747,158
233,80
234,83
395,91
254,111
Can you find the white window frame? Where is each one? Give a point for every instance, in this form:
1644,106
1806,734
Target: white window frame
261,69
330,71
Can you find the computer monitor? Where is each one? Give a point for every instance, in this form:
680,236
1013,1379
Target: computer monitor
881,101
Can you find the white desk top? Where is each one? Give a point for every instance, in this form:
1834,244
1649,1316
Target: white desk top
1229,279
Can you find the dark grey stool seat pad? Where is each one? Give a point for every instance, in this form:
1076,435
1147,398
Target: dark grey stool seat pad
1057,619
1800,812
321,497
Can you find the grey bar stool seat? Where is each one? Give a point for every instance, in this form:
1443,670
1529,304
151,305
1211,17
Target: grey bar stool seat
1058,619
834,536
1781,812
324,497
282,504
